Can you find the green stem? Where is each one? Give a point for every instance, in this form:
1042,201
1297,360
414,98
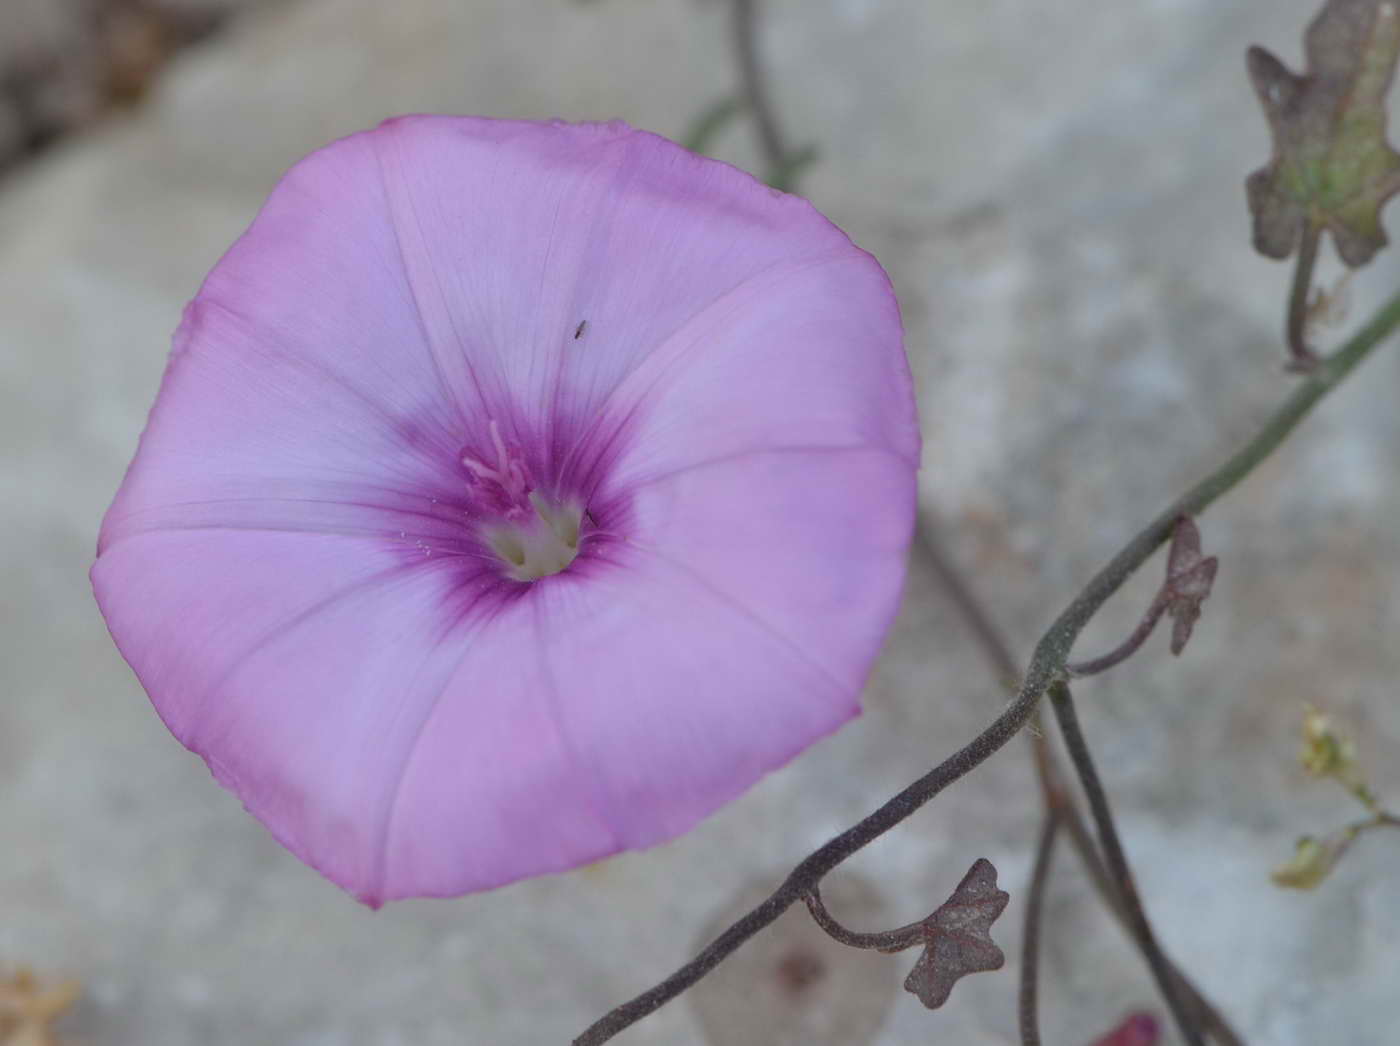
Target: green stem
1304,359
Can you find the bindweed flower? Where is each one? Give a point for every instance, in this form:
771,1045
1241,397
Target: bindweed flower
516,494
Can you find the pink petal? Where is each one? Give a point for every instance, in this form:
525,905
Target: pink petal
293,565
595,224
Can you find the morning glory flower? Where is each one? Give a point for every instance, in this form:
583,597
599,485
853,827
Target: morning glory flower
516,494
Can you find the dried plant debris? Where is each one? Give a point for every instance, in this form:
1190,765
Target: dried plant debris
28,1008
1332,167
958,938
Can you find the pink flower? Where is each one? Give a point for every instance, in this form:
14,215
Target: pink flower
516,494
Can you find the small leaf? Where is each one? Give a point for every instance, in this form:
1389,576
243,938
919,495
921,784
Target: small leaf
1309,865
1189,579
1332,166
957,937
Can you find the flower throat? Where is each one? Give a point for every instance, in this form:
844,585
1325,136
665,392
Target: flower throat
532,535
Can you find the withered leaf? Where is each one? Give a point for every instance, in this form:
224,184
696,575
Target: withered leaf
1332,167
957,937
1189,579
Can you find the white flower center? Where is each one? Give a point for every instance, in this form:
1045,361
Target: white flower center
542,543
533,535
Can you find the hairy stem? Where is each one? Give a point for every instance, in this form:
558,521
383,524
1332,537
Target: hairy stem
1029,1006
884,941
1127,648
804,878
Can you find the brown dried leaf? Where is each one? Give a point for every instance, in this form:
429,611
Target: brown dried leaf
958,936
1331,167
28,1007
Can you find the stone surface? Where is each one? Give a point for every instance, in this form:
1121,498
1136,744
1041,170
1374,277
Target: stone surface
1058,194
64,64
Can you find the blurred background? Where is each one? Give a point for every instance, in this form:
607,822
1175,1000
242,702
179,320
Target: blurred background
1057,192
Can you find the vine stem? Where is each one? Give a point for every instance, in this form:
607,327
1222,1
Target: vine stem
1303,359
1046,666
1029,1002
1058,800
1128,647
1115,857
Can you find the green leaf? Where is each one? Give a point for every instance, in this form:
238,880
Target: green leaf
1332,167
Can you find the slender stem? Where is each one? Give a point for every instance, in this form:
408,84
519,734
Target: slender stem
1047,662
1030,940
1127,648
1303,358
1063,704
1054,646
1206,1014
770,136
1351,832
984,630
1058,799
806,875
884,941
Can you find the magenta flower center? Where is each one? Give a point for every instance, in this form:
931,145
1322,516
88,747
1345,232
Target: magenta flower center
532,533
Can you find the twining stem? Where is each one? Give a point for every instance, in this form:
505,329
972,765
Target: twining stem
1063,703
1057,797
802,879
884,941
1046,665
1029,1006
1303,358
1128,647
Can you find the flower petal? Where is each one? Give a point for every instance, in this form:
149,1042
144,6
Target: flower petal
807,355
300,391
597,225
300,666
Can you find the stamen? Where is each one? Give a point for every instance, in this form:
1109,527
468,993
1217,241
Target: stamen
532,534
